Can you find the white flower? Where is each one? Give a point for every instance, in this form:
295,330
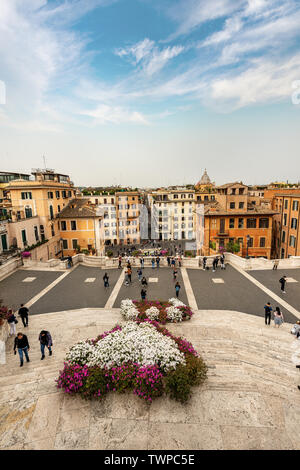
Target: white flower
174,314
129,310
138,343
152,313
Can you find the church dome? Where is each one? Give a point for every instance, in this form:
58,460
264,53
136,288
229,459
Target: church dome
205,179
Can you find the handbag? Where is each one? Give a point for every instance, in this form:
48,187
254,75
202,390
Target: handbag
16,321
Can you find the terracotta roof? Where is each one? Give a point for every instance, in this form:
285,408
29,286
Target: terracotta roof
78,208
227,185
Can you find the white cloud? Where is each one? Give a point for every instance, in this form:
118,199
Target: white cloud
264,82
104,114
151,58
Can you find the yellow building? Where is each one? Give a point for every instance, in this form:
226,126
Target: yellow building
39,201
81,228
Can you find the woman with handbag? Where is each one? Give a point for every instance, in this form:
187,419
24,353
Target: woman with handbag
12,321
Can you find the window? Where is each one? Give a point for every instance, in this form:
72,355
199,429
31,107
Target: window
250,242
205,198
262,242
283,236
26,195
241,205
70,193
241,190
50,195
73,224
240,241
74,244
251,223
63,225
36,233
231,223
263,223
292,241
294,223
57,194
295,205
24,239
28,212
52,231
284,219
58,208
65,244
232,205
241,223
212,198
64,194
286,204
214,223
51,212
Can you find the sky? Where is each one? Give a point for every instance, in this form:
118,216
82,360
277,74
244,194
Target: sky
151,92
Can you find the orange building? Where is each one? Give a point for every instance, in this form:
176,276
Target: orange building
233,220
81,228
286,240
35,205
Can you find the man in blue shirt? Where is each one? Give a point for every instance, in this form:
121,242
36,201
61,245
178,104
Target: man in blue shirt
268,311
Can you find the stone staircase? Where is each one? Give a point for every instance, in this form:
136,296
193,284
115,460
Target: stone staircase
250,366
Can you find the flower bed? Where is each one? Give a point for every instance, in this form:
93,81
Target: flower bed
172,311
141,356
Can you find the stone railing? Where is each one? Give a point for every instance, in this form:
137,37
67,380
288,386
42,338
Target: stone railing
262,263
4,333
9,266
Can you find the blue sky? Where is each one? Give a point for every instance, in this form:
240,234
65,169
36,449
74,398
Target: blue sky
151,92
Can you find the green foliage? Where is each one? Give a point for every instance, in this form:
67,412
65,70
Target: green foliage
212,245
179,382
110,254
233,247
95,385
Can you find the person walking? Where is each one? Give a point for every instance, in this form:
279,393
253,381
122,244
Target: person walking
23,312
143,294
45,341
157,262
105,280
142,262
214,264
174,274
275,265
129,272
120,262
179,261
268,311
222,260
278,317
169,261
177,289
153,263
204,261
140,274
144,282
12,321
296,328
126,278
282,284
22,345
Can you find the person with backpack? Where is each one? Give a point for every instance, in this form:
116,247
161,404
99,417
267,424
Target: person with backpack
105,280
144,282
140,274
22,345
204,261
282,282
45,341
177,289
268,311
23,312
12,321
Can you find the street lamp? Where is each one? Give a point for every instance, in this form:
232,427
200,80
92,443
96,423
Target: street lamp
248,240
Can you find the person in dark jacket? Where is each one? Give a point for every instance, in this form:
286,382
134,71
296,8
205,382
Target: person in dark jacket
143,294
105,280
12,321
144,282
282,283
23,312
45,341
21,343
268,311
177,289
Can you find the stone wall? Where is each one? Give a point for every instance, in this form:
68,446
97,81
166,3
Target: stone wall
9,266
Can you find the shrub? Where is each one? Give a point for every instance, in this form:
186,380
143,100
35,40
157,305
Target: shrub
95,385
122,378
177,385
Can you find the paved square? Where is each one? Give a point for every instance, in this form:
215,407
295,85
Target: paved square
163,289
29,279
237,293
73,292
13,291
